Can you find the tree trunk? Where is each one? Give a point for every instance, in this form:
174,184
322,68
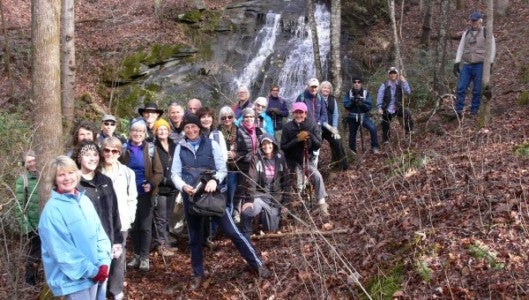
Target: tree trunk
440,50
7,51
398,59
46,84
68,67
314,36
336,61
484,112
426,26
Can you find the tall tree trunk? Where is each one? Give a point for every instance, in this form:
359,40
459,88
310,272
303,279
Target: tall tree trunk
68,67
46,84
314,36
7,51
398,59
426,26
440,50
336,61
484,112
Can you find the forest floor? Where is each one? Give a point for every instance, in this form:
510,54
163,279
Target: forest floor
441,214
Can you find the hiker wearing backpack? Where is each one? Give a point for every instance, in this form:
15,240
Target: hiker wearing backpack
277,110
471,51
357,102
389,102
27,213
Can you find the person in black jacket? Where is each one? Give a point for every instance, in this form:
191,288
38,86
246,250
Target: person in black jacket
358,103
269,185
99,189
301,137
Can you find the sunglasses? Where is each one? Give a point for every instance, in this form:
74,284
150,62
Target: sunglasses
259,105
357,81
226,118
109,123
113,151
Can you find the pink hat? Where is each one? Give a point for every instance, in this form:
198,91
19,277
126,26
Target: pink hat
299,106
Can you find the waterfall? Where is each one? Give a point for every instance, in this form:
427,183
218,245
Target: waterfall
299,65
264,42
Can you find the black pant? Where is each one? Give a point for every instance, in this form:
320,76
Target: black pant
337,150
162,214
33,258
142,227
387,117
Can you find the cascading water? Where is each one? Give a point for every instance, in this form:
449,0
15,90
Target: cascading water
264,43
298,65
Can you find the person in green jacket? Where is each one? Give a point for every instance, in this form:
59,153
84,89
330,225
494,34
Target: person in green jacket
27,211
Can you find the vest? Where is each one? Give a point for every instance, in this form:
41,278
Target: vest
475,47
387,96
194,164
330,107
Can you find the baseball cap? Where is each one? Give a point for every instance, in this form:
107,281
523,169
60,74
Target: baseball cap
299,106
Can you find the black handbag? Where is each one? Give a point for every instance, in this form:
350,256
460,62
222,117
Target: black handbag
208,204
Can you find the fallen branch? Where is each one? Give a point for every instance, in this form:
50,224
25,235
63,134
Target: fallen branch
297,233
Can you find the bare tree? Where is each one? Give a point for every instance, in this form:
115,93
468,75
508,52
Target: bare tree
484,112
314,36
68,67
398,58
426,25
336,62
7,50
440,50
46,83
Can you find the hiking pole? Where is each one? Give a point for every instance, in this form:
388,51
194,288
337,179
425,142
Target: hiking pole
362,133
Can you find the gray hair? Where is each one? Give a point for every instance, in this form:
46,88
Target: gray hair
327,84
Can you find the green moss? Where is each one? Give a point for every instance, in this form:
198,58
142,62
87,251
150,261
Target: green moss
524,74
131,65
408,160
524,98
191,17
522,150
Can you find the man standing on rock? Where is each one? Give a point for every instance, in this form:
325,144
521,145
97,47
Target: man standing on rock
472,51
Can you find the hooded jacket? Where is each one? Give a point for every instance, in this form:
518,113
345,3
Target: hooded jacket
294,150
74,243
278,189
27,206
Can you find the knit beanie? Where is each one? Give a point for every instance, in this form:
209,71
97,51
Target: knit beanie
159,123
191,119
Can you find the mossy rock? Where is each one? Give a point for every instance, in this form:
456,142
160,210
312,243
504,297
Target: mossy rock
191,17
524,98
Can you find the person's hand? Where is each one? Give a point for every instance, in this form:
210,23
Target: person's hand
275,111
117,250
247,205
146,186
188,189
456,69
402,78
211,186
380,111
303,136
232,155
102,274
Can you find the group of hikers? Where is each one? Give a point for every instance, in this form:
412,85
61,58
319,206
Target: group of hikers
258,154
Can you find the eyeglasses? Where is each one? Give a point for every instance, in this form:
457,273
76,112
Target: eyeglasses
113,151
249,117
357,81
260,105
275,90
109,123
138,130
314,87
226,118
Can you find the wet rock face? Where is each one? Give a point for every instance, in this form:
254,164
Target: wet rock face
230,44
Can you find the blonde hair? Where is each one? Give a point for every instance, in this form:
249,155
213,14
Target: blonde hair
113,142
327,84
64,163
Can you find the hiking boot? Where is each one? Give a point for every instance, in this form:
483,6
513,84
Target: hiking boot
144,264
135,262
165,251
375,151
264,272
196,282
323,209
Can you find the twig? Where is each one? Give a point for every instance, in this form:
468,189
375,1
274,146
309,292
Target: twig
297,233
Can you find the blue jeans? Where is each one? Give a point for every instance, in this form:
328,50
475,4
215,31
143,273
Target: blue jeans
231,184
474,73
354,123
230,230
86,294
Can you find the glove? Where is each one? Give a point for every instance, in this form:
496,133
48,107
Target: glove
102,274
456,69
117,250
303,136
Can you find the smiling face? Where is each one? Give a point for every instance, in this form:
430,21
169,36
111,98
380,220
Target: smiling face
150,116
89,161
248,119
325,90
192,131
176,113
162,133
243,95
108,127
137,135
313,89
259,107
30,163
85,135
299,116
66,180
268,148
206,121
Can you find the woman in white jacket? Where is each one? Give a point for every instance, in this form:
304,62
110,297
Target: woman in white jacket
124,182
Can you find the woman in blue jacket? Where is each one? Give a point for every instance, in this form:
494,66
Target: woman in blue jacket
75,247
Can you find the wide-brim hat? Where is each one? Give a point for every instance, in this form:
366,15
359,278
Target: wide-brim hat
150,107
